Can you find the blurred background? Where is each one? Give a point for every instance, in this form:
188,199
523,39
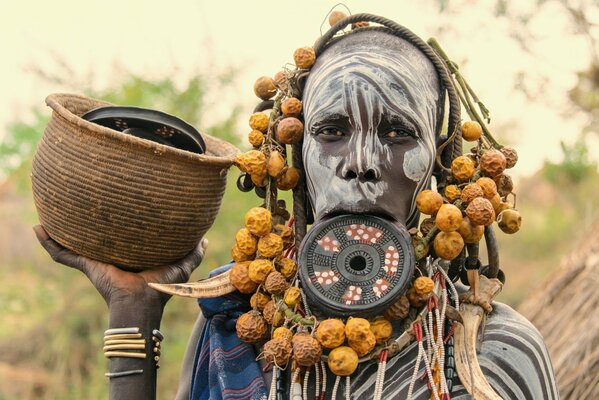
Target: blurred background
534,63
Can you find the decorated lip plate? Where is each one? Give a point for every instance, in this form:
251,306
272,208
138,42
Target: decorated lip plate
356,265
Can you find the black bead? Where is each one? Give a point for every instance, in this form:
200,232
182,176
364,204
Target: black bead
450,363
449,374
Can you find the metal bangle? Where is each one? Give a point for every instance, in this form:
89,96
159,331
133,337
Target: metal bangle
123,373
123,336
117,331
109,354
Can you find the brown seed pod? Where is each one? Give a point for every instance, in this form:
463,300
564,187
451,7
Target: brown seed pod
495,202
286,234
505,185
276,164
246,242
290,131
291,107
304,57
238,256
259,300
462,168
278,351
253,162
240,279
502,207
306,350
448,218
251,327
416,300
259,269
363,346
488,186
343,361
287,267
428,202
269,312
259,179
289,179
382,330
399,310
423,285
360,24
421,249
448,245
292,297
511,156
280,80
282,332
256,138
258,221
509,221
278,319
259,122
470,192
264,87
492,163
471,233
480,211
357,328
330,333
452,193
336,16
471,131
275,283
270,245
426,225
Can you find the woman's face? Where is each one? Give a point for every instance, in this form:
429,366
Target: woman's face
370,113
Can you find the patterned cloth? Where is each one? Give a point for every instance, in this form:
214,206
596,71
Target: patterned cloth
224,366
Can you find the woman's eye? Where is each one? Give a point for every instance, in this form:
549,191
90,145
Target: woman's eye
331,131
397,134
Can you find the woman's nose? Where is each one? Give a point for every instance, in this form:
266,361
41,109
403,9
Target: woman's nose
361,169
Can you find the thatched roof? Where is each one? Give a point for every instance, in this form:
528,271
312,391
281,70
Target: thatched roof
566,311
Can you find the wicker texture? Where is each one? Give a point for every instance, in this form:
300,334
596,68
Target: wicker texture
120,199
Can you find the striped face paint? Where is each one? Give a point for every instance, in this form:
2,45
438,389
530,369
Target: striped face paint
370,113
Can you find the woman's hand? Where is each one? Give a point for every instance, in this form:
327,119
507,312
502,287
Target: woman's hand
122,287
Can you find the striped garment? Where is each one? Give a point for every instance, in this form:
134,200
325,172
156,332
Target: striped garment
513,357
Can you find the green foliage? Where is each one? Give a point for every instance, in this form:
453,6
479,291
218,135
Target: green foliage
575,167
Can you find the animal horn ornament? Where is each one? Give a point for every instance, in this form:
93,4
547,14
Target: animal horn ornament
219,285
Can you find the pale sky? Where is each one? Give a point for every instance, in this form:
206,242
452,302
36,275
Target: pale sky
153,38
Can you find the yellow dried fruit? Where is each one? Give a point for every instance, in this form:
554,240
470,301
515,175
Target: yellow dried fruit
330,333
269,312
282,332
502,207
291,107
292,297
509,221
363,346
495,202
259,179
416,300
480,211
492,163
278,319
258,270
505,185
448,218
470,192
277,351
286,234
452,193
304,57
471,233
280,80
511,156
423,285
259,300
270,245
264,87
336,16
252,162
275,283
246,242
488,186
290,131
382,330
471,131
259,122
399,310
343,361
428,202
256,138
357,328
287,267
251,327
238,256
258,220
276,164
289,179
462,168
448,245
240,279
306,350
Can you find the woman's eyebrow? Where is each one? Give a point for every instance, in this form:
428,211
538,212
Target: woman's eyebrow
327,116
401,120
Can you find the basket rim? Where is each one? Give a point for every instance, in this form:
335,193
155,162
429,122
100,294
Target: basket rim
55,102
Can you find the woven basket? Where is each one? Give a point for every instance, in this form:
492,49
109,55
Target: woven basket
119,199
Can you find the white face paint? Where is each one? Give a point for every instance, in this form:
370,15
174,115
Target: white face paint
370,115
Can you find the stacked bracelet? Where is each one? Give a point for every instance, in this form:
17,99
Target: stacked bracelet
157,337
129,343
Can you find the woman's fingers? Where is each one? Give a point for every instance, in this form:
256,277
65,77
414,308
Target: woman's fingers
56,251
